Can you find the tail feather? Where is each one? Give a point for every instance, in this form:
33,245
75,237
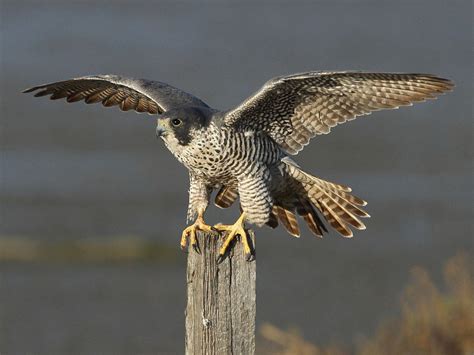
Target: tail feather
273,220
312,225
334,220
347,203
305,194
338,187
288,219
305,209
340,209
226,197
341,193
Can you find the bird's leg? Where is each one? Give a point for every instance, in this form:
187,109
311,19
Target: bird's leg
238,228
190,232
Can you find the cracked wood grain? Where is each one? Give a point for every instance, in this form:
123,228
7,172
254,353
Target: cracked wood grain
221,304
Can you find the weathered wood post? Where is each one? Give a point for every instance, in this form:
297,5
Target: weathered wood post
221,306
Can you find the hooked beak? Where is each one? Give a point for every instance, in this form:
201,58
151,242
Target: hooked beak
160,131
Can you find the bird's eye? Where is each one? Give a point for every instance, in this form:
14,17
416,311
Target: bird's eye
176,122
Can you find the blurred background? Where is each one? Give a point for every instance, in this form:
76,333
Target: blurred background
92,205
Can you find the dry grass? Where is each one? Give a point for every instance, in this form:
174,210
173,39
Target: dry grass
431,321
120,249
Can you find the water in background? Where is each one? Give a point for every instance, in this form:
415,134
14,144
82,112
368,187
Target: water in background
72,172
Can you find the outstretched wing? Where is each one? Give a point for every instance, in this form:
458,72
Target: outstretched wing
293,109
140,95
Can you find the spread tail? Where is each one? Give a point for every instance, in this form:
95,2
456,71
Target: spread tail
305,195
340,208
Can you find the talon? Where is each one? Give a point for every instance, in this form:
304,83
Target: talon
184,239
237,229
190,233
220,259
249,257
196,247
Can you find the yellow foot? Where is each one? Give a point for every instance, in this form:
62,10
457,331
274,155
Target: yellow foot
190,232
234,230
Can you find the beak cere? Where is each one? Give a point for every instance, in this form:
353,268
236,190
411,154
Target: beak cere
159,132
161,128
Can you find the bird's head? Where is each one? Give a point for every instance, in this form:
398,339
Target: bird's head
179,127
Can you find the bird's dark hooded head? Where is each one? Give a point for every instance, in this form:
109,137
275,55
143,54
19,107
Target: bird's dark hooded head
180,126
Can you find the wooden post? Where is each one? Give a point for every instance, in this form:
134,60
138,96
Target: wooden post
220,311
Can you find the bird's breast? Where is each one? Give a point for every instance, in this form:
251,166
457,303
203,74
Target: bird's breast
223,155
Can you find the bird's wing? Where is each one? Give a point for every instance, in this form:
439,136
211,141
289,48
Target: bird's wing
293,109
140,95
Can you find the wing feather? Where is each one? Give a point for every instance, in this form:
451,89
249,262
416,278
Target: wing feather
140,95
293,109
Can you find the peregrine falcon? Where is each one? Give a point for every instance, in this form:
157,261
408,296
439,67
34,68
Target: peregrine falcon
245,152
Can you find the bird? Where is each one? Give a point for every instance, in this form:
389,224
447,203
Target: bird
246,153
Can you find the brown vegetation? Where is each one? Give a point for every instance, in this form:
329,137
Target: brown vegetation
432,321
